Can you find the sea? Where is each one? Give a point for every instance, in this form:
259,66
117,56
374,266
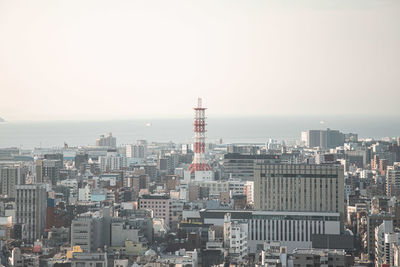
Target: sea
51,134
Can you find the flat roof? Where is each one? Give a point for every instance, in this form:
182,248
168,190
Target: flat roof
250,214
155,196
245,156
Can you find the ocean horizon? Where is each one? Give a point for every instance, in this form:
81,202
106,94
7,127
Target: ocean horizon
47,134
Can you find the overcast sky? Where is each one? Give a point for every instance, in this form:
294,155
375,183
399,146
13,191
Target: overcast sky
95,59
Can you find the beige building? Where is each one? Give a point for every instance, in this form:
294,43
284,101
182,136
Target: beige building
299,187
159,204
131,248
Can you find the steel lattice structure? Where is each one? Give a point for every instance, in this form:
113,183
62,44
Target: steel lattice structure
199,161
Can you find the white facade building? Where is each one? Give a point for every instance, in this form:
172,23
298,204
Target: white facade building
70,183
111,163
107,140
180,258
393,179
274,255
291,229
236,186
385,240
84,194
200,176
235,237
135,151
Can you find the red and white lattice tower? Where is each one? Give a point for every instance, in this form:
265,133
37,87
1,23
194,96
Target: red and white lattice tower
199,162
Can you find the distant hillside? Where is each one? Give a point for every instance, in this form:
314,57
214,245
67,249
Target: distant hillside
1,119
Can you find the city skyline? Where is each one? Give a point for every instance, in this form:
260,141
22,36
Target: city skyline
92,60
209,133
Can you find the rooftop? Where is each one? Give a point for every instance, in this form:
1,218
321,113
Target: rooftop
244,156
155,196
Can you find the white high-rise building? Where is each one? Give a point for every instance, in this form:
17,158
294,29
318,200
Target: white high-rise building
385,240
135,151
304,138
111,163
393,179
108,141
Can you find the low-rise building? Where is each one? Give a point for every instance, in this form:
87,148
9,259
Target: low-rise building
81,259
321,257
159,204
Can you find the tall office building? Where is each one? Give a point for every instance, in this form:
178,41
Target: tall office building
31,200
81,158
112,163
323,138
88,232
373,222
385,237
135,151
108,141
299,187
393,179
48,170
39,171
241,166
10,177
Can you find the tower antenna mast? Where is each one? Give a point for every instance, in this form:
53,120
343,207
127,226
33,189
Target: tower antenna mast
199,161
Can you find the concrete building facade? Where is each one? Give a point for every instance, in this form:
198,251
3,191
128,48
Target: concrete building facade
291,229
323,138
320,257
393,179
299,187
87,232
241,166
108,140
159,204
31,202
135,151
10,176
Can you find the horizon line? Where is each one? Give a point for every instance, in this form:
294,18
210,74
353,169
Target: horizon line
174,117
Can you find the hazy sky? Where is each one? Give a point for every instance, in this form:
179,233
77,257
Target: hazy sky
95,59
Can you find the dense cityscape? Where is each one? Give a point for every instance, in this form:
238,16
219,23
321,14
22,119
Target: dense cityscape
329,199
211,133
